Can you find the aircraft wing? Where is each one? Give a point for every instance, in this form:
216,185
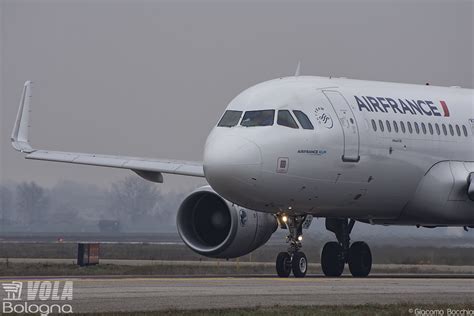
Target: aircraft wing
150,169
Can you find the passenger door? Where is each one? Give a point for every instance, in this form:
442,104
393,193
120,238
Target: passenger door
350,130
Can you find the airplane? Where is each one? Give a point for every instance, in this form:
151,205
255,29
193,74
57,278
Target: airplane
290,149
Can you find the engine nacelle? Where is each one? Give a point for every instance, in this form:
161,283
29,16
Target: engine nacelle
214,227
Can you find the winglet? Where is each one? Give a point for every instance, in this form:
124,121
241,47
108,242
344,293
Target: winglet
19,136
298,69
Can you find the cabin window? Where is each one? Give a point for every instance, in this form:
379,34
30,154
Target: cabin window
430,127
374,125
402,126
389,128
451,130
445,131
395,126
438,131
410,129
417,128
258,118
303,119
230,118
464,130
381,126
285,119
458,130
423,128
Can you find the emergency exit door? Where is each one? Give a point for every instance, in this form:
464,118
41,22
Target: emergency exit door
350,130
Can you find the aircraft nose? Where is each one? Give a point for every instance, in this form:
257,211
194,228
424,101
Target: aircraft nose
232,163
231,150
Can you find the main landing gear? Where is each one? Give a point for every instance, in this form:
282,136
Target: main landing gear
336,254
293,259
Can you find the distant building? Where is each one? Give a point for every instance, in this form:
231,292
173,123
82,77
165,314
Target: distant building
109,226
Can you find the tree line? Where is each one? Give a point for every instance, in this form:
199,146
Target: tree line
134,203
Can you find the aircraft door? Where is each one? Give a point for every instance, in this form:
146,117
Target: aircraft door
350,130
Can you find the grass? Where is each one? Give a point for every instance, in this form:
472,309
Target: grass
352,310
402,254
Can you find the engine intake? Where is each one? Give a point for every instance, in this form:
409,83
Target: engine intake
214,227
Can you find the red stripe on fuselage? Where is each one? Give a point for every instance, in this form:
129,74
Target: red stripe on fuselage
445,108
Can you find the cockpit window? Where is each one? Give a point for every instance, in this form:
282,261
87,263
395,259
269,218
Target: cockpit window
285,119
303,119
258,118
230,118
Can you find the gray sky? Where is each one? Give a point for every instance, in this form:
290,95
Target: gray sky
150,78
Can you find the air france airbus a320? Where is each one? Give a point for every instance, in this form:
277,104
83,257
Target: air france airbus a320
294,148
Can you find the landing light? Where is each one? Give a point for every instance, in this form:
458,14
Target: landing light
300,238
284,218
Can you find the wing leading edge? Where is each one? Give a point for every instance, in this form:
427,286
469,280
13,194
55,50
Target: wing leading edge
150,169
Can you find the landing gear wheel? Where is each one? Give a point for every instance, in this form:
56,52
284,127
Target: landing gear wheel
332,259
360,259
299,264
283,264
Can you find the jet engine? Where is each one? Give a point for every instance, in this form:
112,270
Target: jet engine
214,227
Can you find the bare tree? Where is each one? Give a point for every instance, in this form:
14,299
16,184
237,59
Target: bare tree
5,204
168,207
75,202
133,199
32,203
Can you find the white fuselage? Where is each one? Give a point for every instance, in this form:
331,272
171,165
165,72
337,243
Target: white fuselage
347,166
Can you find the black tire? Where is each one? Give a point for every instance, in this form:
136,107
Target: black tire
299,264
283,265
360,259
332,259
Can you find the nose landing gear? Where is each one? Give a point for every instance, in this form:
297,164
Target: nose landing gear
299,264
336,254
283,264
293,260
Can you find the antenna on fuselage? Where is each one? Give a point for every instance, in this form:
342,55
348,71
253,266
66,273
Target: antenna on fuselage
298,69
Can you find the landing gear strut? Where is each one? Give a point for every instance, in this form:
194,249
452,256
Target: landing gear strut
293,259
336,254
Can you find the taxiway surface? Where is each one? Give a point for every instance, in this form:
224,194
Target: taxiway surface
152,294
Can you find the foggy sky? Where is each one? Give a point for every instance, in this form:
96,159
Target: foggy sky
150,78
